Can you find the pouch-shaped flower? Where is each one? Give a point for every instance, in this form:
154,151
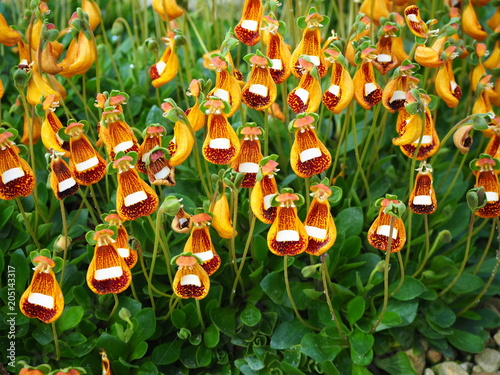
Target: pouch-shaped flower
248,29
264,190
380,230
423,196
191,280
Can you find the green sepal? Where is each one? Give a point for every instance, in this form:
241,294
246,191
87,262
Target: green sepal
433,103
420,41
179,38
14,132
336,194
23,150
170,206
39,110
395,209
476,198
187,254
479,122
301,22
226,109
282,29
61,133
89,237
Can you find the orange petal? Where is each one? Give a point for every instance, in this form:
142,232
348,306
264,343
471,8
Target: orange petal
167,9
341,89
191,282
320,227
221,145
279,53
430,141
423,196
394,94
309,45
488,179
222,222
94,12
227,88
196,117
260,199
446,86
415,23
17,177
108,272
80,58
248,160
287,235
260,90
184,143
366,90
36,128
160,170
306,97
248,29
119,136
182,222
8,36
62,181
151,140
129,255
134,198
378,7
38,88
309,156
166,69
200,244
378,234
471,25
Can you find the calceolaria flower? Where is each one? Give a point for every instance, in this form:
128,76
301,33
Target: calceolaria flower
17,177
182,222
106,366
388,44
485,168
308,156
128,254
167,67
319,224
310,44
116,134
43,299
191,280
61,179
374,9
153,135
86,164
134,198
221,145
341,90
470,23
395,91
391,210
423,196
182,143
226,86
167,9
8,36
195,115
306,97
277,50
38,87
287,235
446,85
366,90
260,90
264,190
222,221
248,29
430,57
51,125
417,26
107,272
493,146
200,244
249,156
160,170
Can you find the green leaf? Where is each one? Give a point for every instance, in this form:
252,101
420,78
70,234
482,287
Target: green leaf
289,369
251,315
396,365
70,318
320,348
139,351
410,289
225,320
178,318
115,348
5,215
440,314
466,341
288,334
361,342
155,116
355,309
21,269
329,368
407,311
144,326
203,356
467,283
167,353
211,336
43,334
274,286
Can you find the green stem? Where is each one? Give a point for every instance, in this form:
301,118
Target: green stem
427,247
487,248
94,198
232,248
402,271
56,341
66,240
156,228
290,297
115,307
335,318
28,225
200,316
89,206
466,255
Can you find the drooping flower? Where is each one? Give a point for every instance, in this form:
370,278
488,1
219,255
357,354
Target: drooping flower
182,222
221,145
470,23
116,134
248,29
341,90
387,45
380,230
167,67
37,88
423,196
478,71
367,92
35,123
264,190
484,94
50,127
417,26
153,135
430,57
134,198
277,50
106,366
80,56
375,10
17,177
308,155
93,11
360,29
128,254
195,115
222,221
493,146
160,169
306,97
319,224
446,85
226,86
61,179
200,243
260,90
167,9
86,164
107,272
43,299
191,279
287,235
310,44
493,59
395,91
249,156
485,168
182,143
8,36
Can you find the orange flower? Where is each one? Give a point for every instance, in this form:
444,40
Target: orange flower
249,156
94,12
287,235
423,196
493,146
116,134
221,221
226,87
277,50
379,232
308,156
478,71
106,366
417,26
430,57
319,224
134,198
471,25
167,9
260,90
152,138
248,29
38,88
17,177
80,56
182,222
160,169
310,44
386,58
494,21
43,299
200,244
264,190
191,280
306,97
378,7
2,89
8,36
196,117
87,166
107,272
128,254
221,145
485,92
35,123
62,182
487,178
182,143
30,371
341,89
166,69
394,94
446,86
366,90
350,51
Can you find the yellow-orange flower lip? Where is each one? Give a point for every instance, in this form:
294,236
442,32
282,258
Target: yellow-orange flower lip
199,218
42,259
194,88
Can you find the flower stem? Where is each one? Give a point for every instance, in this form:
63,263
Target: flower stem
156,228
200,316
115,296
28,225
402,271
234,208
65,236
466,255
326,278
487,248
290,297
427,247
56,341
386,274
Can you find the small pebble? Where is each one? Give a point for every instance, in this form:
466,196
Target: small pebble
497,337
489,360
433,356
449,368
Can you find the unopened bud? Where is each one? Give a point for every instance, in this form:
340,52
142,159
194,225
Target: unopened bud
62,243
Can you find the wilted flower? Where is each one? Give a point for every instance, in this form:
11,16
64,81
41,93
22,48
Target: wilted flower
160,170
153,135
43,299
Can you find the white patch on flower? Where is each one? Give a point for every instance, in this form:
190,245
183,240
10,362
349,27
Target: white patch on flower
108,273
12,174
136,197
383,230
316,232
87,164
287,235
41,300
